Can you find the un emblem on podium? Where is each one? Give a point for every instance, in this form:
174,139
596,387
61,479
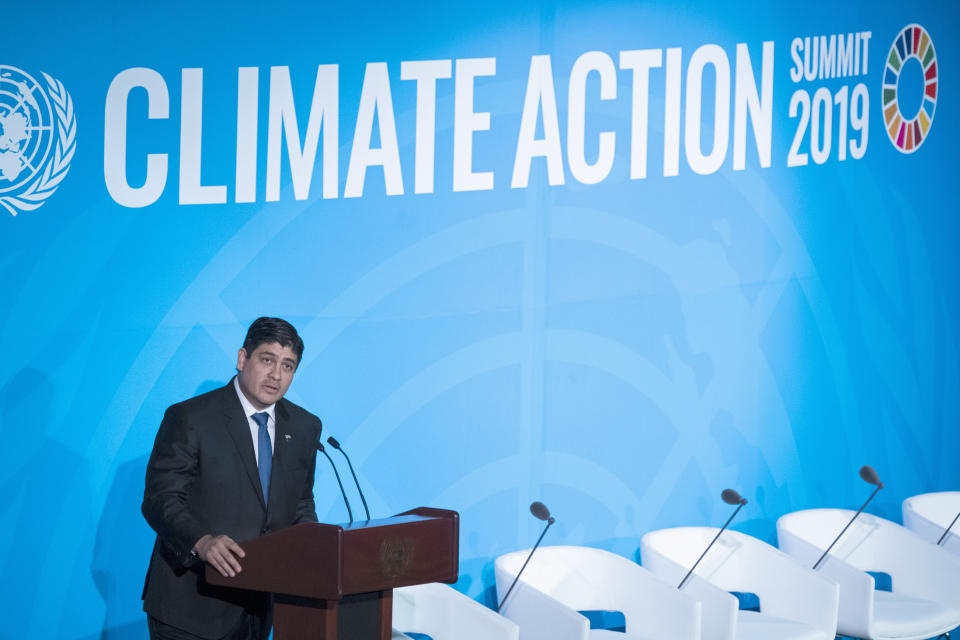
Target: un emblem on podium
38,136
396,556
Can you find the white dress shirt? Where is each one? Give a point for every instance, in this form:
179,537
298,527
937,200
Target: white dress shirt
249,410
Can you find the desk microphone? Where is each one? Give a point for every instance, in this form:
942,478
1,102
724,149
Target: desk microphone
869,476
540,512
344,493
731,497
336,445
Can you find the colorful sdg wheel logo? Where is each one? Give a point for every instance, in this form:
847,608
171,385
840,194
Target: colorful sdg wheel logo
910,88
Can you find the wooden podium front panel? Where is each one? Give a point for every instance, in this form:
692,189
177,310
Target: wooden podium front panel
401,551
302,560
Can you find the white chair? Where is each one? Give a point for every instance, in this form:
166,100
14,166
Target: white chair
443,613
560,581
795,603
925,597
929,514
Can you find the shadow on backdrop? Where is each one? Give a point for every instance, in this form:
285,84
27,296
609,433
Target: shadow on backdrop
43,482
755,481
121,551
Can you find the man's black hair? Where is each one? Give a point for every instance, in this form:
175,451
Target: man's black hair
265,330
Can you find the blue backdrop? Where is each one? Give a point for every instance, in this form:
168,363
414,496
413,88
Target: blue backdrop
624,256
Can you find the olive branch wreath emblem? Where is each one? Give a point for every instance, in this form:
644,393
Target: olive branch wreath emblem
46,183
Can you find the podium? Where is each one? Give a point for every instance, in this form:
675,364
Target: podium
335,582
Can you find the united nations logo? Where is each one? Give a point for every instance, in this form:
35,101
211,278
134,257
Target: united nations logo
38,133
396,555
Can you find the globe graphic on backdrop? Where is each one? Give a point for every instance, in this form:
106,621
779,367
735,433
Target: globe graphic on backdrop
26,127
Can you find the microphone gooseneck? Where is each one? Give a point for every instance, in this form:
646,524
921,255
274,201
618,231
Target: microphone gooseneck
869,476
336,445
731,497
540,512
322,450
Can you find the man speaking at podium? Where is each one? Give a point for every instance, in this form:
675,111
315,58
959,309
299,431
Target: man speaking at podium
227,466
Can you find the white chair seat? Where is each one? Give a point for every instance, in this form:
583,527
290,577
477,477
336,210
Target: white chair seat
752,625
895,616
926,580
797,603
442,613
562,581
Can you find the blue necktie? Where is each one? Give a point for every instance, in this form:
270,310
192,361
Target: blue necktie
265,457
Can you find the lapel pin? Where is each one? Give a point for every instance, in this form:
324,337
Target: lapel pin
287,436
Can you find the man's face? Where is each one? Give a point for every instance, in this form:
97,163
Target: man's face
266,374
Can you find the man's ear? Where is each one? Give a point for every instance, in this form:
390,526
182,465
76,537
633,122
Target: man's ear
241,358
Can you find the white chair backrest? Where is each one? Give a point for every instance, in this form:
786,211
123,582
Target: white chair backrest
735,562
939,508
683,545
576,576
442,612
404,608
929,514
865,545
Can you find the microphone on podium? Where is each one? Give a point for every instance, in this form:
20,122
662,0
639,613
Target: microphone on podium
731,497
322,450
336,445
869,476
540,512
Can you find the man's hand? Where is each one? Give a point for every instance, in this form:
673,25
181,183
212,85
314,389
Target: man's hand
221,552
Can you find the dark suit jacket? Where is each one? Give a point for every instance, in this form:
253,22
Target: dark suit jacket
202,478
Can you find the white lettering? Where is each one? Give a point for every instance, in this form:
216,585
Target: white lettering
191,136
375,100
466,121
600,63
761,109
827,56
115,137
540,99
713,55
844,55
426,73
865,40
324,109
796,73
247,113
671,115
640,62
810,58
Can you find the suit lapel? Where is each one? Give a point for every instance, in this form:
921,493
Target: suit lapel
239,428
